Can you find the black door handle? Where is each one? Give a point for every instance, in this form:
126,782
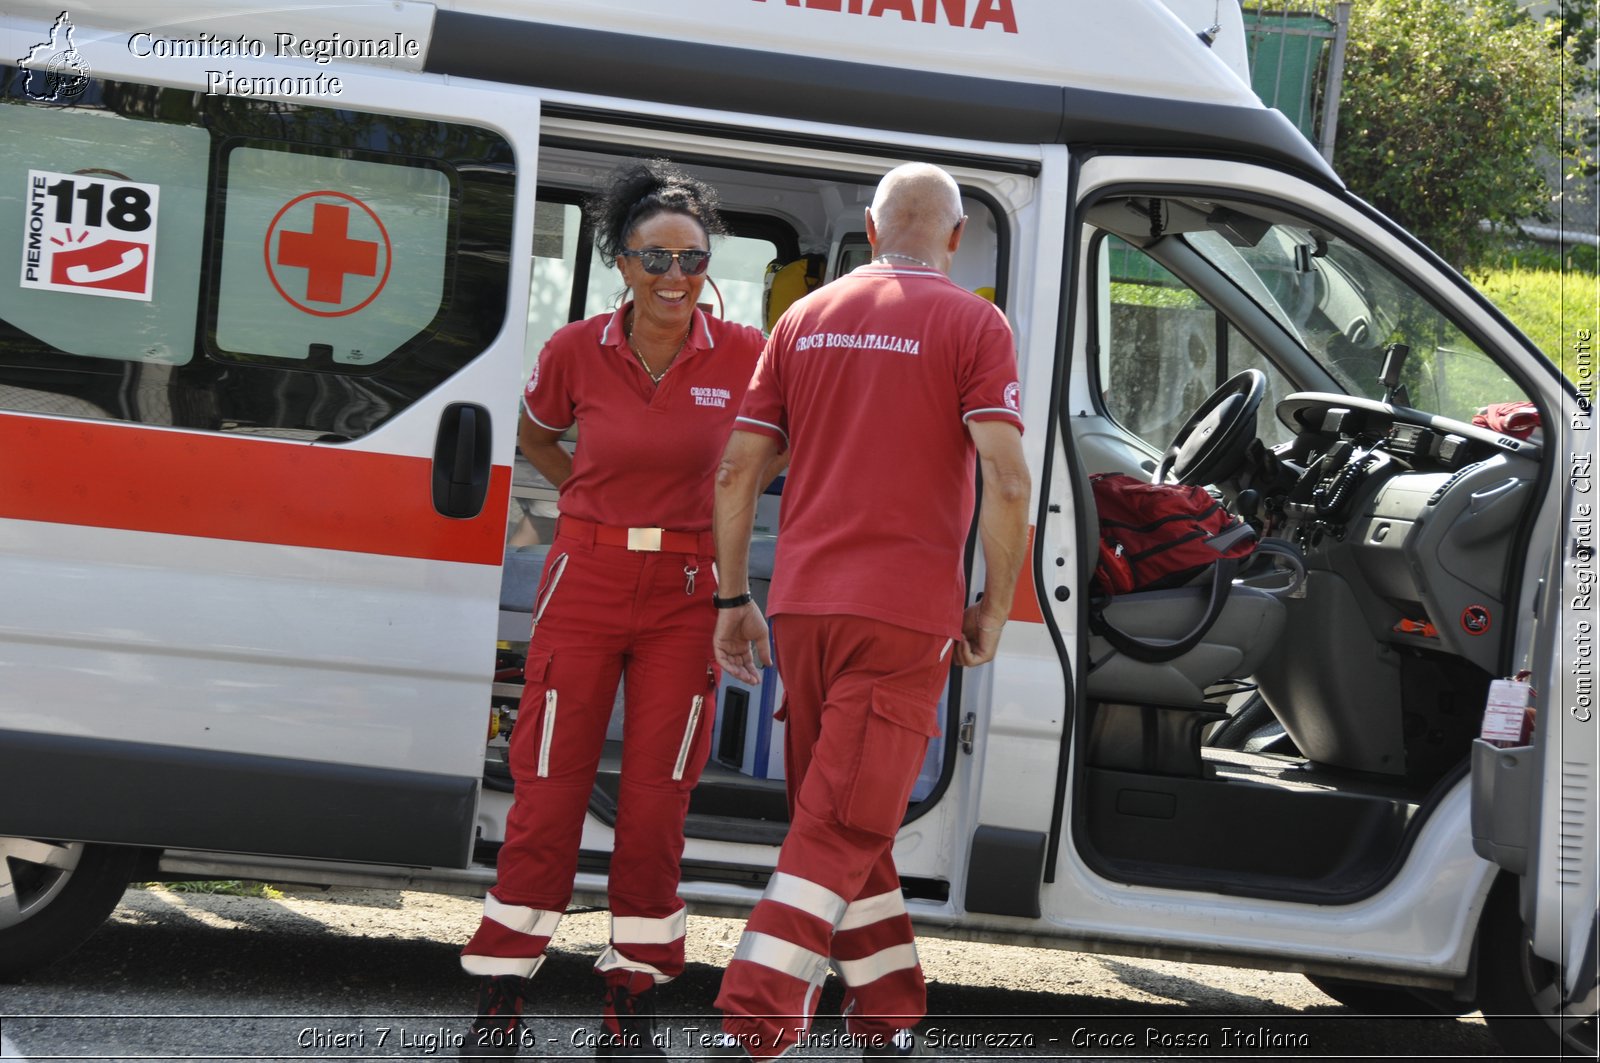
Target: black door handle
461,461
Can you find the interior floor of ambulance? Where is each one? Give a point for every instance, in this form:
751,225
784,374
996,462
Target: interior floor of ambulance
1205,788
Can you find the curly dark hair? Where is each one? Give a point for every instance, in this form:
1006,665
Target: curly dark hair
638,191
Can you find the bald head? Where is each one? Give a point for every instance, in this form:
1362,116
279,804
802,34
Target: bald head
914,197
916,212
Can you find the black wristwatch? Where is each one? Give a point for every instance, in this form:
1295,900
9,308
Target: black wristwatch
732,603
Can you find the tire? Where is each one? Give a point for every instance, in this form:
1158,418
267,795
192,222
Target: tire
53,895
1517,990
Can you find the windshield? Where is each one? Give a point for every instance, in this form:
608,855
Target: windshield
1345,308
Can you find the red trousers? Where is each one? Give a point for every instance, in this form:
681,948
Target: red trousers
860,703
602,612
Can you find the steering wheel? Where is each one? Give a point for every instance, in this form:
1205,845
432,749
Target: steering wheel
1212,441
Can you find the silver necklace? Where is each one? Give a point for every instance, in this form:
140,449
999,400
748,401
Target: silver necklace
655,378
905,258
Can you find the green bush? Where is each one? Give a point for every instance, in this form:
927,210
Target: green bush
1445,110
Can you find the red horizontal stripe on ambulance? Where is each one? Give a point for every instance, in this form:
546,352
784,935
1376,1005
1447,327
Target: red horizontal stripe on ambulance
248,490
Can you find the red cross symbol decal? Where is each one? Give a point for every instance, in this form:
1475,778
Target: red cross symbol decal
328,254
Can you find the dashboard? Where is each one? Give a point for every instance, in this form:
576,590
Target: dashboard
1417,513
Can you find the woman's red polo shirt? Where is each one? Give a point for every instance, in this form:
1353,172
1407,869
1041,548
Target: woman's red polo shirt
646,452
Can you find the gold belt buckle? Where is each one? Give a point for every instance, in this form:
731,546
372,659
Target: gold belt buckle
644,539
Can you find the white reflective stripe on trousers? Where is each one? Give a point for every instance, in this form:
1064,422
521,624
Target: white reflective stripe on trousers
535,922
871,910
869,969
497,966
612,960
808,896
776,954
637,930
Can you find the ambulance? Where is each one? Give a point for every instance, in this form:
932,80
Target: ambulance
267,551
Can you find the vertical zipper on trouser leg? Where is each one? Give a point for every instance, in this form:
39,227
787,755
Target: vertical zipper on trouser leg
549,734
688,737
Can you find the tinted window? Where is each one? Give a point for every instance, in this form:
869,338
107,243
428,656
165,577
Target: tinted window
224,263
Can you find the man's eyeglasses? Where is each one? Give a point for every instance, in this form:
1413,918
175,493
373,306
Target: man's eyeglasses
657,260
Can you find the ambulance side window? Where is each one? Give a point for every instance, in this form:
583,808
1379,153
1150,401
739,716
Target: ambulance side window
227,264
348,274
1164,349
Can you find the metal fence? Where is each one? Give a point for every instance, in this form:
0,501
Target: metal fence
1297,63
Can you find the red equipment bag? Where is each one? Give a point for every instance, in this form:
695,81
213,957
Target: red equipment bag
1155,536
1160,535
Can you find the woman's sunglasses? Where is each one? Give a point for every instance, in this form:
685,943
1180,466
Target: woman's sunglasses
657,260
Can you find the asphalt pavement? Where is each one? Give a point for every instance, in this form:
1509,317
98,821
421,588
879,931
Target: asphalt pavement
370,974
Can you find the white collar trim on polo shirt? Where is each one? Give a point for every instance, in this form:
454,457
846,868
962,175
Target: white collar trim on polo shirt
612,334
885,267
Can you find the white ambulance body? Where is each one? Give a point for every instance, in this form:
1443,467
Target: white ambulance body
267,552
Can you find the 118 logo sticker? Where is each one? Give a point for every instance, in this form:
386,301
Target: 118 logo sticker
90,233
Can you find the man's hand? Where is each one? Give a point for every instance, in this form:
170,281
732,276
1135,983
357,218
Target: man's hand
736,630
980,637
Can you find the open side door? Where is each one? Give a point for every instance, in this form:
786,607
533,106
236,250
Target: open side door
1534,806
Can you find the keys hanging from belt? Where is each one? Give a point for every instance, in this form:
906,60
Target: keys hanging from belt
689,573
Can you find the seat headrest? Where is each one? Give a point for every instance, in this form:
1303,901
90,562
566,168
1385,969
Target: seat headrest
787,281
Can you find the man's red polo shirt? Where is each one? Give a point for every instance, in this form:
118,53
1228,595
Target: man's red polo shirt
870,381
646,452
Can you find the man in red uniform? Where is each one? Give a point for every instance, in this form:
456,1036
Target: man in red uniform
881,386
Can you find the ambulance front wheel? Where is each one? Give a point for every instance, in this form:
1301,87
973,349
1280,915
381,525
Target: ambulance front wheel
53,895
1520,992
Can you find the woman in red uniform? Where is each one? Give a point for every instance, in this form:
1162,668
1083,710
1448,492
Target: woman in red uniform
626,590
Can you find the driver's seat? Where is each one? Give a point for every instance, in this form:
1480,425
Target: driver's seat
1241,638
1148,715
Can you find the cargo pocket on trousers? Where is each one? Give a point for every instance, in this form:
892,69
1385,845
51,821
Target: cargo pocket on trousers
899,725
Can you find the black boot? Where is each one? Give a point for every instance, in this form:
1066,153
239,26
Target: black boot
497,1031
628,1023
